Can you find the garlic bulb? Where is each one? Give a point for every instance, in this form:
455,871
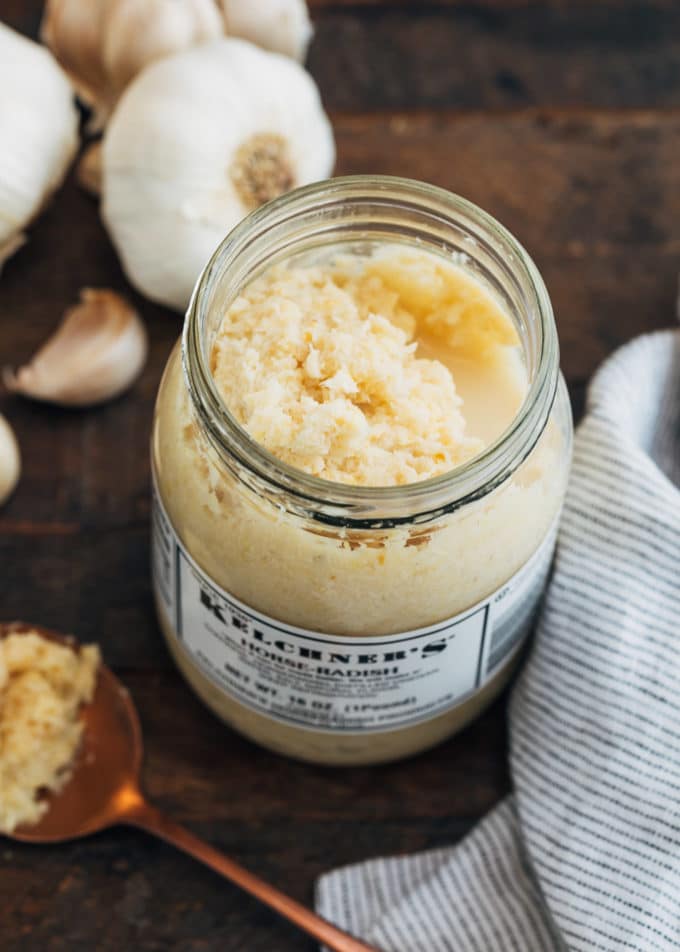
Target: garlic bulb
10,461
196,142
72,30
38,133
282,26
103,44
95,354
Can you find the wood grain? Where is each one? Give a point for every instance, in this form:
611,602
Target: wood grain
362,6
508,102
487,53
595,198
282,819
480,56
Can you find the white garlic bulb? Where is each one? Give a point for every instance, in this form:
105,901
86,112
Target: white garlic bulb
38,133
282,26
10,460
95,354
197,141
103,44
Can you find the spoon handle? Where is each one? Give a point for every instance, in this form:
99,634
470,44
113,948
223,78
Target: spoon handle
148,818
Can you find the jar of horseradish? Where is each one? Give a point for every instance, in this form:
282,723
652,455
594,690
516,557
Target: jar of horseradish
360,453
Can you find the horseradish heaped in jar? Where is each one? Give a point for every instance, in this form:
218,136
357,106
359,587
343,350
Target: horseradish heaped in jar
359,455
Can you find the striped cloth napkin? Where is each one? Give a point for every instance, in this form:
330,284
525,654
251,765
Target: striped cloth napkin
585,855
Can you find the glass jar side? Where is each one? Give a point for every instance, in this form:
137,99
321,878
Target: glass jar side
279,561
349,583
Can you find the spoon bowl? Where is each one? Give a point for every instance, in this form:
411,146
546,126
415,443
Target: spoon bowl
104,790
107,765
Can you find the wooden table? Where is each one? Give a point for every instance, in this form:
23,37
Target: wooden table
563,122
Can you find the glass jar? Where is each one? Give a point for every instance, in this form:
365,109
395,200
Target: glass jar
336,623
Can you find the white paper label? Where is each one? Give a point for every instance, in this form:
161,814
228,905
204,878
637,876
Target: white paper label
325,682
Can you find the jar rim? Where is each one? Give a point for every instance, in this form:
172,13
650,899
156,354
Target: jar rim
355,506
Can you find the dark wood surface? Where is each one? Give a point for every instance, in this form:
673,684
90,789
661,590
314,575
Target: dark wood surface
561,119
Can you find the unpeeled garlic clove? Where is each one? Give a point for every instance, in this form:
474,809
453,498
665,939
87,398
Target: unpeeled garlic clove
95,354
10,460
282,26
89,169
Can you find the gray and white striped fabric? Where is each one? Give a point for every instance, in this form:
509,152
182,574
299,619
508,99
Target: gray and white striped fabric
585,855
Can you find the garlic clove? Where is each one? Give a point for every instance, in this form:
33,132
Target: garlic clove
10,460
140,31
39,133
103,44
95,354
72,30
282,26
89,170
198,140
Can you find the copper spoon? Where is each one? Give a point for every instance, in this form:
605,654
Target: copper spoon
104,790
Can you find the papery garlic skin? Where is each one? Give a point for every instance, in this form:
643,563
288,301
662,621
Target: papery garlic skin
197,141
38,133
140,31
73,29
95,354
10,460
103,44
282,26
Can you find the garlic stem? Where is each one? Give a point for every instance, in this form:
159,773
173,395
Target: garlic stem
10,460
89,169
95,354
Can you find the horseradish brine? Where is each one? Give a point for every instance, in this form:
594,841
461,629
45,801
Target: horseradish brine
360,454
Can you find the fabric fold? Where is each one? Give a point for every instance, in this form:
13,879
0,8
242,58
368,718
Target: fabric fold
586,853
